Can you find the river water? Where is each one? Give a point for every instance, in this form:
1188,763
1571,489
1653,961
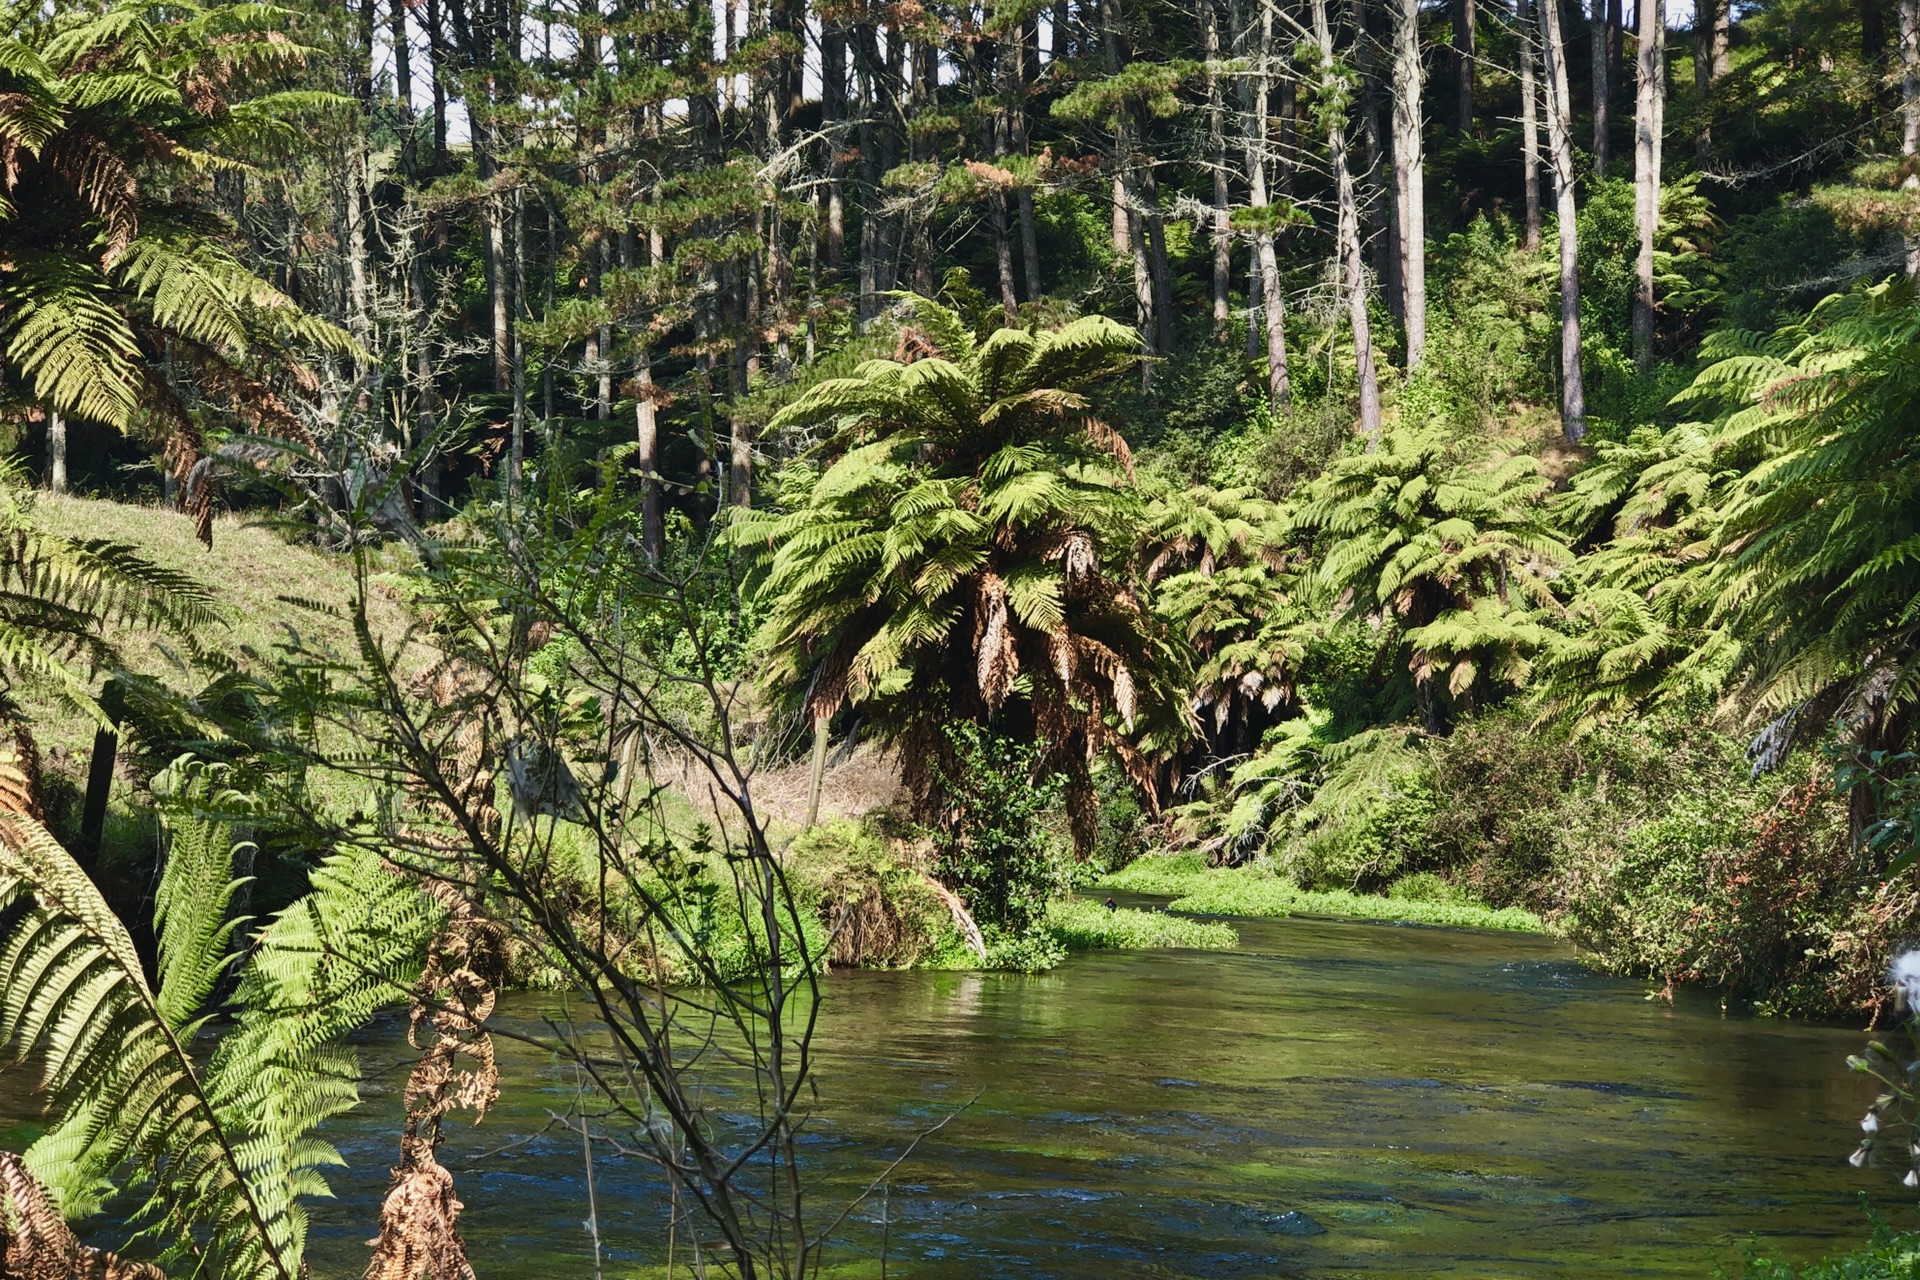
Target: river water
1332,1099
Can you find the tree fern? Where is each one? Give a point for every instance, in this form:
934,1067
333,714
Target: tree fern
964,552
102,112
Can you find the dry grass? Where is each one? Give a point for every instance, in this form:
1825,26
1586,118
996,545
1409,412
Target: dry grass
869,780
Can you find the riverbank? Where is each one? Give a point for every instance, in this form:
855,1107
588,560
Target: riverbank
1253,891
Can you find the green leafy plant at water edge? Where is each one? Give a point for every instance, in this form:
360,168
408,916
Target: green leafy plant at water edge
996,848
1251,892
1085,925
1887,1255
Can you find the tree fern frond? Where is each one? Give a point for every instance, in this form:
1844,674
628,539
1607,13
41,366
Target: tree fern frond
76,993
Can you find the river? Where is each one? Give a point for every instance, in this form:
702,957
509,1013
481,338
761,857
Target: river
1332,1099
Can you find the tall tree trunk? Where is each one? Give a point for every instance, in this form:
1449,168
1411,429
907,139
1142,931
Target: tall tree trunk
357,241
1648,120
56,452
1602,89
427,403
603,370
1217,154
1616,46
516,466
1003,254
1873,29
926,83
1273,297
1465,49
1706,15
1136,203
1910,113
1573,392
1380,212
1159,267
1347,231
1026,56
436,66
1122,236
647,450
739,430
1001,84
1529,53
494,264
1409,177
402,58
869,139
833,112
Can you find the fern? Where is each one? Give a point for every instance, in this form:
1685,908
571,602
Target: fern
966,550
224,1152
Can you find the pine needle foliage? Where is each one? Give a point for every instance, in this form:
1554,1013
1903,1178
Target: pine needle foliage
963,555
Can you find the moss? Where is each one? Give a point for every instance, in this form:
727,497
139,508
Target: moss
1253,892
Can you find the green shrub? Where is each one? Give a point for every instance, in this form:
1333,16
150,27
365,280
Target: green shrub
1887,1255
1034,951
1758,891
999,850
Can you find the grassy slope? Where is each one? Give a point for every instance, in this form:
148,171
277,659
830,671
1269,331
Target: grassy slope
1250,892
248,572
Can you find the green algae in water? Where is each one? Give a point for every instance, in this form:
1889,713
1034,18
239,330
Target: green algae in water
1439,1102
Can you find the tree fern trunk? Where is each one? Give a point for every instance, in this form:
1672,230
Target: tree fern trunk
56,451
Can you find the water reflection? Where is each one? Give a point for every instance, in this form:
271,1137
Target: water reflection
1333,1099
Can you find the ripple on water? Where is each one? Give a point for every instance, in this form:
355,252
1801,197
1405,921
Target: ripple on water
1423,1097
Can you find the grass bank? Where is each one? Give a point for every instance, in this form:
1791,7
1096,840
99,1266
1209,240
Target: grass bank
1252,891
1082,925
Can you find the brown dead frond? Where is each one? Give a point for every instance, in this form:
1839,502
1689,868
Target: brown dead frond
20,771
996,659
1105,437
38,1244
419,1220
97,173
